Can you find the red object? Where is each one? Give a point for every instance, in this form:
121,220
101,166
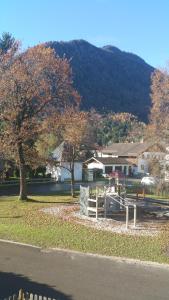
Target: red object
116,174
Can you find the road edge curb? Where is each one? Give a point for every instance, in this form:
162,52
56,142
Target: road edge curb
119,259
19,244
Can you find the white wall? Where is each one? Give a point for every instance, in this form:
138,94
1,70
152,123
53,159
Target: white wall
53,171
101,154
156,155
95,165
144,159
62,174
142,162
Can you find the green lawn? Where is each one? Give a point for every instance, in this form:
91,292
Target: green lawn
25,222
157,197
151,196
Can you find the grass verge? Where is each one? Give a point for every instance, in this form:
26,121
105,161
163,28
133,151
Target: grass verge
25,222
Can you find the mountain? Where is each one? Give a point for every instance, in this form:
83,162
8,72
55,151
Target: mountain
107,78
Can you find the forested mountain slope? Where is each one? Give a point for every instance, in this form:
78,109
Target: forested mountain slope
107,78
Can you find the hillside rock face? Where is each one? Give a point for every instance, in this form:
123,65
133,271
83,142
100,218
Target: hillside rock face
107,78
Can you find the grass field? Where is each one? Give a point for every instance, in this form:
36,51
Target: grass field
24,222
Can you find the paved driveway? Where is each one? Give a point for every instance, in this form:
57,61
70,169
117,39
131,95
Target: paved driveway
78,277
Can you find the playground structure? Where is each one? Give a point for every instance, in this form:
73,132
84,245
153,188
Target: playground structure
103,201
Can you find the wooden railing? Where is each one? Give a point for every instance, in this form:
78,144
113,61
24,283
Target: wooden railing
27,296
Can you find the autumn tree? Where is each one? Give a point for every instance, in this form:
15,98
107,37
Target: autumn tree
79,137
33,85
159,121
74,129
46,143
156,167
4,167
7,42
120,127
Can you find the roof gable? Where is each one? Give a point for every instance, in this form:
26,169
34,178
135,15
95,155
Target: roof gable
91,159
63,153
108,161
128,149
57,154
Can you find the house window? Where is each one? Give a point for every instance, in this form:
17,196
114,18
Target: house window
142,167
108,169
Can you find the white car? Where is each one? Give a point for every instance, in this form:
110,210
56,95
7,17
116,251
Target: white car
149,180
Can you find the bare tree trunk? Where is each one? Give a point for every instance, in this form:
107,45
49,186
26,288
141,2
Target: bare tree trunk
72,174
22,170
72,182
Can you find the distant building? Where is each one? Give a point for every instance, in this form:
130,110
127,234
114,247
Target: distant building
129,158
109,164
60,168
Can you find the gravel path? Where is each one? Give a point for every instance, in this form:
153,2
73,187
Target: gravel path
71,213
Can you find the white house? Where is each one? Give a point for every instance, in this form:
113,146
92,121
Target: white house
109,164
138,155
60,169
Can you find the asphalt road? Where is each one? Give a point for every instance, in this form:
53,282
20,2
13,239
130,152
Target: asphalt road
48,188
78,277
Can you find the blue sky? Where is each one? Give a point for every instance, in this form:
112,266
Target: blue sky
138,26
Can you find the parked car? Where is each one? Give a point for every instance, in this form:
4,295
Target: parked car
149,180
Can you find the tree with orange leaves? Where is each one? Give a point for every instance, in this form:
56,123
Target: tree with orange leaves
78,135
158,128
74,128
33,85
